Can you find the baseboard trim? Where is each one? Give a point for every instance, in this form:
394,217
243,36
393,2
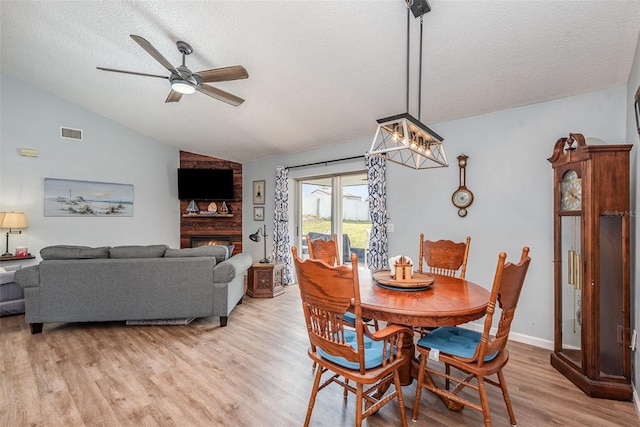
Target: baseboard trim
514,336
636,399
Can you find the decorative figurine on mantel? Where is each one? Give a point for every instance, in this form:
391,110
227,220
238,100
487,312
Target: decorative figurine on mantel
223,209
192,209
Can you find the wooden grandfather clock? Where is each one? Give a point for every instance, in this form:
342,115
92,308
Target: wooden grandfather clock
592,266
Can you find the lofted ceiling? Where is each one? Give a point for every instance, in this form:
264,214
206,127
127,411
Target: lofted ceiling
320,72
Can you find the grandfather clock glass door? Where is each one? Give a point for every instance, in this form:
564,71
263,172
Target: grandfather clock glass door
571,293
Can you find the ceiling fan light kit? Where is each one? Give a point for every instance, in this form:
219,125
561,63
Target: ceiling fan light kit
182,86
185,82
402,138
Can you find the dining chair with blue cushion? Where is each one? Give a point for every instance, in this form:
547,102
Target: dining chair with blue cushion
323,248
327,251
476,356
361,361
444,257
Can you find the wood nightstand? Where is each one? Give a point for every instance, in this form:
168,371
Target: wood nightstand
265,280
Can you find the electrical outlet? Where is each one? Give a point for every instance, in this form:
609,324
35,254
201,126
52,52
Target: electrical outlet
390,228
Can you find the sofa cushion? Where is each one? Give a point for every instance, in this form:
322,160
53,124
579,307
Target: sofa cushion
73,252
210,251
219,252
134,251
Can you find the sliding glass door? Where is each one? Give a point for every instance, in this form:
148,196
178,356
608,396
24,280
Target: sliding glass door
335,204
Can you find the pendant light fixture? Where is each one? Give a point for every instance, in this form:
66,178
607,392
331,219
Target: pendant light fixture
402,138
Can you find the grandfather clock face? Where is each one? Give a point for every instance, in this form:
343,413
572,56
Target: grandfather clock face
571,192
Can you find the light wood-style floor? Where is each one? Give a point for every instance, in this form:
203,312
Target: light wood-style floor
254,372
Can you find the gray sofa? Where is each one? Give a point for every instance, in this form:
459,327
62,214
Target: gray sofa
11,295
83,284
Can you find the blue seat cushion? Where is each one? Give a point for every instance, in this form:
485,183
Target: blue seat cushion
455,341
350,318
372,352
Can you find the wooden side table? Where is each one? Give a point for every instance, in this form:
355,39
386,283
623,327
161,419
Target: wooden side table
265,280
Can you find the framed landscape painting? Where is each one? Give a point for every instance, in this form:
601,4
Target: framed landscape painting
66,197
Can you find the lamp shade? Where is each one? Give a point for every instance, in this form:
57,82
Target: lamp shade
13,220
405,140
255,237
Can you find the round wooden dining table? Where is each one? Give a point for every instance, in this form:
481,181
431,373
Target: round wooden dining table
448,301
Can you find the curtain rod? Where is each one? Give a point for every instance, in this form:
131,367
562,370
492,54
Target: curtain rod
325,162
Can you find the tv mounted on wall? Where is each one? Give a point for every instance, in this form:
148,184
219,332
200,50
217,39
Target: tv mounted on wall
205,184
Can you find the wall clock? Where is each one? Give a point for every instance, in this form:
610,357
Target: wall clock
571,192
462,197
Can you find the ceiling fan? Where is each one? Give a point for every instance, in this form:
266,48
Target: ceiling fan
184,81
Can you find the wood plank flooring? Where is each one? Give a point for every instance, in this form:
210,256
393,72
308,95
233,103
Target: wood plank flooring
254,372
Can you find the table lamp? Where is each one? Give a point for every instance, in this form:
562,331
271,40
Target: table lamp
255,237
12,220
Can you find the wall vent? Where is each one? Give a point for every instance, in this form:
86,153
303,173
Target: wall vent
69,133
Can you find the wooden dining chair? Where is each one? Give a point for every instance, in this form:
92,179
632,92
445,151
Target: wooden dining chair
325,250
444,257
370,359
475,355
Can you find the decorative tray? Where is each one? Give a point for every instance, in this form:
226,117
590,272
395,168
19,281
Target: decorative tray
419,280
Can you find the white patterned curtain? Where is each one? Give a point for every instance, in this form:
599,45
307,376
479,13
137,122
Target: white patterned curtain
378,249
281,242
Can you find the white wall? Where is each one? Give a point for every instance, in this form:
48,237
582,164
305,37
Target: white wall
109,153
508,173
633,138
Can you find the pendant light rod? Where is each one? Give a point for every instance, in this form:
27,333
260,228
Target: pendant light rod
420,73
402,138
408,50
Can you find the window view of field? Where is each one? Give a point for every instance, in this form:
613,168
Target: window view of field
317,212
356,230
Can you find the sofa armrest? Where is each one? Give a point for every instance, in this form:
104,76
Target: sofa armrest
28,277
6,275
231,268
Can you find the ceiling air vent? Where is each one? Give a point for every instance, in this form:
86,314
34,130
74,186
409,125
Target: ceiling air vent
69,133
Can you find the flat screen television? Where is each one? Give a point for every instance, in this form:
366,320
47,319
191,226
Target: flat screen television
205,184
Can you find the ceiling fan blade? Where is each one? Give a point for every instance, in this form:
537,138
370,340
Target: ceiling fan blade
153,52
235,72
173,96
220,95
132,72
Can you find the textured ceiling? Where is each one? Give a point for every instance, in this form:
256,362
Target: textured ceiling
320,72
